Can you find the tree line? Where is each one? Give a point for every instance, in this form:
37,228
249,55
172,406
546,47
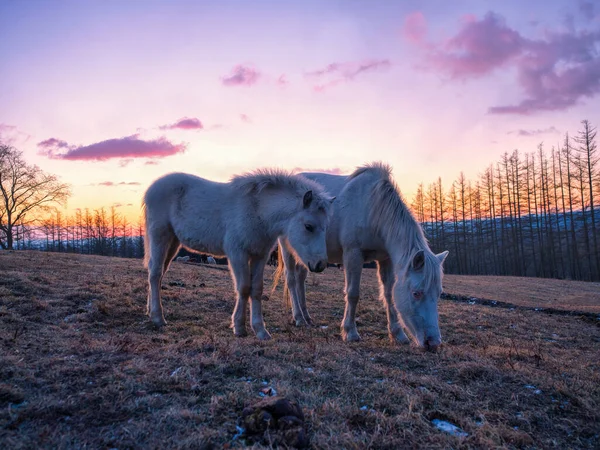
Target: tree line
533,214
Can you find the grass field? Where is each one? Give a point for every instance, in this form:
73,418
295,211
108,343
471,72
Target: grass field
82,367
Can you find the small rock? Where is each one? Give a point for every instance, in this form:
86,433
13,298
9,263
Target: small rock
449,428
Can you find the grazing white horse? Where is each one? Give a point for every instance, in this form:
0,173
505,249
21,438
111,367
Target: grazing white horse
211,260
241,220
370,222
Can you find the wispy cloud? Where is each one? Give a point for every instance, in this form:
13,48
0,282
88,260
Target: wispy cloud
337,73
185,123
241,76
333,171
245,118
526,133
126,147
122,183
282,80
554,72
11,135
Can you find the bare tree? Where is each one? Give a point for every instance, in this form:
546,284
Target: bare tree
25,190
590,158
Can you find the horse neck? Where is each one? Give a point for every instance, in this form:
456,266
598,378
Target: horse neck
275,209
401,245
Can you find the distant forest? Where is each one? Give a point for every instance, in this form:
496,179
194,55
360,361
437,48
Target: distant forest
533,214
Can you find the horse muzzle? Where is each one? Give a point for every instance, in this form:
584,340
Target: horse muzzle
319,267
432,344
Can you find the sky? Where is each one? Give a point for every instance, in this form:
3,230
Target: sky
110,95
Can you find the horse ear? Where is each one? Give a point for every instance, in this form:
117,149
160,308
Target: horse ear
307,199
442,256
418,260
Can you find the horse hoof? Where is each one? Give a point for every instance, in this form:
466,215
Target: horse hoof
240,333
301,323
350,336
159,321
263,335
399,338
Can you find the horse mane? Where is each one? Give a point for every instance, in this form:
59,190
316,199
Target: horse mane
394,222
255,182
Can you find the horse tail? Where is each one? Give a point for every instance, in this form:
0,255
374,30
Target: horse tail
277,276
146,239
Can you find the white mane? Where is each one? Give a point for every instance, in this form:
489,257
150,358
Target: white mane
256,181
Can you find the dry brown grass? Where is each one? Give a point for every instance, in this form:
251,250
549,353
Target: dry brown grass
82,367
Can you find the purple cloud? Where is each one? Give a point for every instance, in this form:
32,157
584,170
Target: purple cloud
343,72
554,72
185,123
127,147
241,76
537,132
53,143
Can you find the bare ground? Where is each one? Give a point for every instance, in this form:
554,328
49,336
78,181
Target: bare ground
82,367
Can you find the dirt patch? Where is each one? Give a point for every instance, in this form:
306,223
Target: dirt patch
81,366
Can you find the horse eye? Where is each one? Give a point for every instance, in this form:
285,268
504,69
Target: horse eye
309,228
418,295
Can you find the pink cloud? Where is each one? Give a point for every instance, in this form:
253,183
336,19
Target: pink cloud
343,72
185,123
245,118
127,147
554,73
282,80
241,76
415,27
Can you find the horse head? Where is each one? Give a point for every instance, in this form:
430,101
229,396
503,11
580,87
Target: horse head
416,293
306,232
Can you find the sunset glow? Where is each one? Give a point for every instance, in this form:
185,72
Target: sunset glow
110,95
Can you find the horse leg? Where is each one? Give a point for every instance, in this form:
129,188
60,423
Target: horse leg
353,261
386,284
301,274
292,284
257,269
173,249
240,271
161,243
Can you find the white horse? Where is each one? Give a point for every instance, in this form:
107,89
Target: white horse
242,220
211,260
370,222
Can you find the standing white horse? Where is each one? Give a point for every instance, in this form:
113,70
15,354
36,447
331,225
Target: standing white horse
242,220
370,222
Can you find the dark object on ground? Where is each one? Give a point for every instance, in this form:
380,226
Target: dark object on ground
279,418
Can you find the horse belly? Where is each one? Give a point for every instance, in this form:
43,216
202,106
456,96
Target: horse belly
202,237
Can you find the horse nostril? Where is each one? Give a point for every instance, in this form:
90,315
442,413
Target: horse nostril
319,267
310,267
